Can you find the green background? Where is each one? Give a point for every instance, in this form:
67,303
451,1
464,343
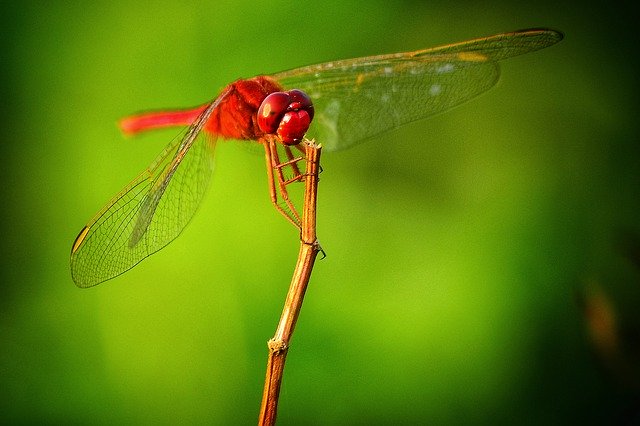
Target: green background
462,250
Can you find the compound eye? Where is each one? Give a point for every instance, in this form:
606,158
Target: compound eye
272,110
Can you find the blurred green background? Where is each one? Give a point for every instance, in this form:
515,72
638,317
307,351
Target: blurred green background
480,264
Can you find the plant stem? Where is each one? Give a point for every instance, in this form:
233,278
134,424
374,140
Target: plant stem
309,248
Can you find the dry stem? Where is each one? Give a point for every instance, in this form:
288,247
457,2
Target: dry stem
309,248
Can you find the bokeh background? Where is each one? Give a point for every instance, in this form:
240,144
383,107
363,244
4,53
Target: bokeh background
482,265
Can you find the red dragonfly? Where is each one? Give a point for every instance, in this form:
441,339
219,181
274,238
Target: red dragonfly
351,100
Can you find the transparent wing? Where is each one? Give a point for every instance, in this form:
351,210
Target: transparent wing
148,213
358,98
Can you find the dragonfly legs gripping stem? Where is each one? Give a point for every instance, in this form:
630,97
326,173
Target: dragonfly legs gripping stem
278,182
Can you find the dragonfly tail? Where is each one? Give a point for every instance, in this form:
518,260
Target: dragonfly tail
137,123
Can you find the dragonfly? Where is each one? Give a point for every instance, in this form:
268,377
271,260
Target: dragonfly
339,104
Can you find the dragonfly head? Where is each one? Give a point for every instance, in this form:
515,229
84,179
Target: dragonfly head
286,114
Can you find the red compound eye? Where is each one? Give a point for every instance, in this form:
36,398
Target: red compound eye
287,114
300,100
271,111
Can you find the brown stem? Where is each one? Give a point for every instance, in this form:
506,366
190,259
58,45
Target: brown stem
309,248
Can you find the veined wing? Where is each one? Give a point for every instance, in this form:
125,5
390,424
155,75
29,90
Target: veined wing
358,98
149,212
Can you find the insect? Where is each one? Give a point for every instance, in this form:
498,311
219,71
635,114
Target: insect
339,104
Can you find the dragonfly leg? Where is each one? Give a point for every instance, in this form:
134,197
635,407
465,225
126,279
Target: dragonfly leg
273,164
293,161
279,167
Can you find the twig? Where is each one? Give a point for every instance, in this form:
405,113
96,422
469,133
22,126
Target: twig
309,248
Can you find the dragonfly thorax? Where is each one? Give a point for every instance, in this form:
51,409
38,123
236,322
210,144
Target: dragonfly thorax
235,116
